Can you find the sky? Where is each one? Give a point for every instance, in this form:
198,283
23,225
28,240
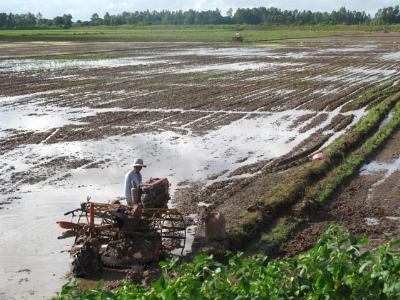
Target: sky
83,9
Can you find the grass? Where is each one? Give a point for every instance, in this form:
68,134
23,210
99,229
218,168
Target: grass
372,96
281,231
178,33
325,188
367,125
335,268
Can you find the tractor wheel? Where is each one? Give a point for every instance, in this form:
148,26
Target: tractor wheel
86,261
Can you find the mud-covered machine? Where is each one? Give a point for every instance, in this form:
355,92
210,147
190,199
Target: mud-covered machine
122,236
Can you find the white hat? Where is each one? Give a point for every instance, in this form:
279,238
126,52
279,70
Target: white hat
138,162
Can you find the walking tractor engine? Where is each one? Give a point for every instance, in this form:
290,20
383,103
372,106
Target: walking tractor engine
155,193
122,236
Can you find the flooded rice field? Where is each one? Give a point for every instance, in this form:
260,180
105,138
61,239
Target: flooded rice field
210,118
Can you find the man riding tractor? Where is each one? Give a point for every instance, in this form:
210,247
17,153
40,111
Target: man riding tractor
153,193
133,182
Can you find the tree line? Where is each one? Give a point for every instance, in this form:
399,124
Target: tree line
253,16
31,21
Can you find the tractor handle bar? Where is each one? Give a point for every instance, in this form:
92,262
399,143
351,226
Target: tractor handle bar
72,211
99,214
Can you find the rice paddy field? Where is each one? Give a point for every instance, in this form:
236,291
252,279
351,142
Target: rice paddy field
223,122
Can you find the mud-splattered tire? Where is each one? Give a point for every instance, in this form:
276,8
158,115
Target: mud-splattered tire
86,261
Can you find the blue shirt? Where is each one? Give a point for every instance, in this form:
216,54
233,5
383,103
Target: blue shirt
132,179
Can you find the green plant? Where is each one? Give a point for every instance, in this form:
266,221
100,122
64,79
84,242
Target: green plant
282,230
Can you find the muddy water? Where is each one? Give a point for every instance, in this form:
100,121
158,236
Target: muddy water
33,262
247,66
394,56
178,156
32,117
18,65
383,169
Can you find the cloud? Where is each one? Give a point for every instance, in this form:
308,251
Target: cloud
83,9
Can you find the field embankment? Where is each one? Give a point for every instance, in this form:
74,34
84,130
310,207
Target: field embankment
308,187
178,33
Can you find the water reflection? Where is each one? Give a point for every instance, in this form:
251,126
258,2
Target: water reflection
170,154
23,65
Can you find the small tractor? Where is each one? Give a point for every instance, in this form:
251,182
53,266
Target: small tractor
237,37
124,236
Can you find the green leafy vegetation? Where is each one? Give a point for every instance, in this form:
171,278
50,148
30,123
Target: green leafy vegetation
337,267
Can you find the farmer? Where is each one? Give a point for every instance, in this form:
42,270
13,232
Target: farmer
133,179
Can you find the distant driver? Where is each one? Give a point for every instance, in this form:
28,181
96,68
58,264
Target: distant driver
133,180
